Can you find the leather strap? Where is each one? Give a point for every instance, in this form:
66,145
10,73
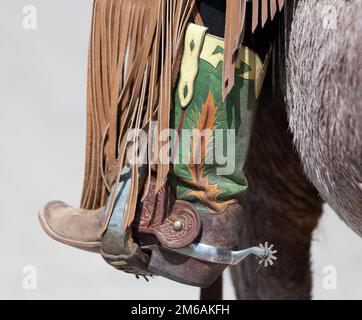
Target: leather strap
197,18
175,224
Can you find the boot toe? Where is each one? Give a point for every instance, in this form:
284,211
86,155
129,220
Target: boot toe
52,211
49,215
74,227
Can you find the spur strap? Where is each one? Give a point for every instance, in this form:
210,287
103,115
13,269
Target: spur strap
175,224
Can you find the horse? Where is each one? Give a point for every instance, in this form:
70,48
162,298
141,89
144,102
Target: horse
306,149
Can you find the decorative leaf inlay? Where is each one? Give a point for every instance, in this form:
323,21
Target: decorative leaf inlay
205,191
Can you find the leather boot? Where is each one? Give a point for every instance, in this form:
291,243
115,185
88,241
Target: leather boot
188,229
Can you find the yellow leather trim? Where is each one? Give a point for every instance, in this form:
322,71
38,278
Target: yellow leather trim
208,51
246,55
253,61
197,45
194,40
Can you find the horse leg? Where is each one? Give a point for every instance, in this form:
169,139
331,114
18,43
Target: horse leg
324,94
281,207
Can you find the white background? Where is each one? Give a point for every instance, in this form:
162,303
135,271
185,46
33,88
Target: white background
42,135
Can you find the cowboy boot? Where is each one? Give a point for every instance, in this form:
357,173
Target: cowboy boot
187,230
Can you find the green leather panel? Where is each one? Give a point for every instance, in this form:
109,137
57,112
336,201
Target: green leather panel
200,181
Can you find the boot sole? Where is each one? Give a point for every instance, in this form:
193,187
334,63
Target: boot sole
88,246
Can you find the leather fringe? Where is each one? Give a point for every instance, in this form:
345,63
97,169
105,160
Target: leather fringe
135,48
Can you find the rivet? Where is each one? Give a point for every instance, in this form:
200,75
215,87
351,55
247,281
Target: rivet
177,225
